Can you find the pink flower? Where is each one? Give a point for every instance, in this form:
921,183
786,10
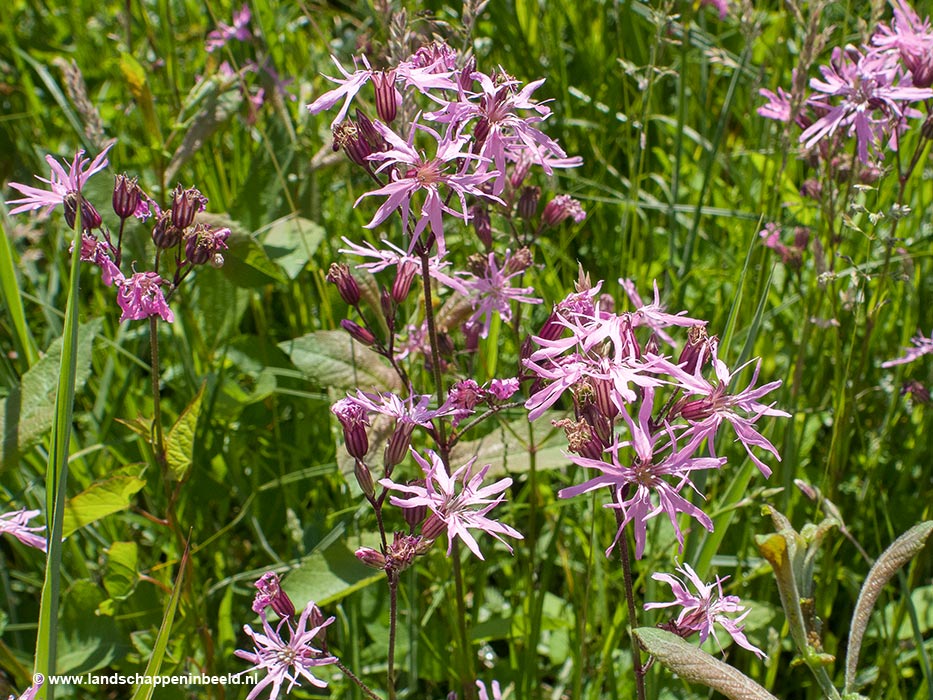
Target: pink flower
491,291
706,608
912,38
15,523
484,693
653,315
63,184
503,389
415,173
456,510
868,103
778,105
721,6
741,410
396,257
30,692
922,346
287,660
98,252
141,296
218,38
651,474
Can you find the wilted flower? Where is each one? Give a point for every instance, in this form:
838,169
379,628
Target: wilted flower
270,595
141,296
706,608
562,207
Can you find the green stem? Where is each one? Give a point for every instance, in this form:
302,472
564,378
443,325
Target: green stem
158,439
625,555
393,626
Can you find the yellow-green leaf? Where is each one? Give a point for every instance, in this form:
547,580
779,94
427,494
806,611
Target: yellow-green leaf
179,445
99,500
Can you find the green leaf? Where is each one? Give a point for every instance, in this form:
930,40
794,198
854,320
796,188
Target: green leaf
100,500
247,264
121,576
179,443
696,666
22,336
329,575
331,359
506,448
144,691
291,242
88,641
28,412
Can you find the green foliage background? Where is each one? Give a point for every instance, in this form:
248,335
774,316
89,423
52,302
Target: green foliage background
679,176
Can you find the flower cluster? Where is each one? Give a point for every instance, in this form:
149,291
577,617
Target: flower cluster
640,418
865,93
175,230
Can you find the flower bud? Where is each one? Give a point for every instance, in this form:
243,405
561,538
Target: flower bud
357,148
90,218
371,557
403,279
358,333
471,333
347,286
386,95
397,446
528,202
364,478
482,224
165,234
520,172
433,527
126,196
353,419
415,516
520,261
185,206
698,349
204,242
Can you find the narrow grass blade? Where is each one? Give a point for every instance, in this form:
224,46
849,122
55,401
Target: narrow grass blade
144,690
22,338
56,477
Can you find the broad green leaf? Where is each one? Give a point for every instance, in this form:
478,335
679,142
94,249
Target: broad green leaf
87,641
291,242
329,575
28,412
144,691
99,500
507,447
121,576
696,666
247,264
179,443
331,359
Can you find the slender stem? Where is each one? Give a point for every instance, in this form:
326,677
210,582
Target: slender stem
159,446
393,626
626,557
435,354
360,684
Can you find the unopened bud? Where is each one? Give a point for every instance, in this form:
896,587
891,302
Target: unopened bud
397,446
433,527
696,351
126,196
482,225
358,333
404,276
348,138
165,234
90,218
386,95
520,172
371,557
186,203
471,333
528,202
560,208
364,478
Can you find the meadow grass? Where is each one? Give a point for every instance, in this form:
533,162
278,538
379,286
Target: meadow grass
679,176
